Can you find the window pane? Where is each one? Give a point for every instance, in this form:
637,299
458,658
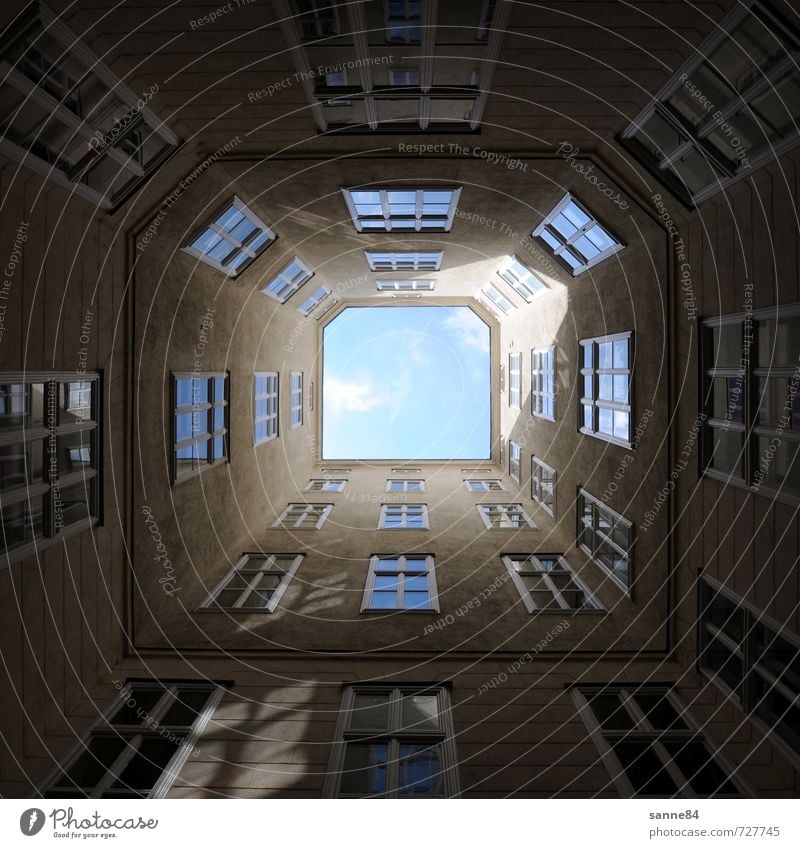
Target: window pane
659,711
420,771
700,769
610,712
185,708
93,763
420,712
147,766
137,707
370,712
364,768
644,769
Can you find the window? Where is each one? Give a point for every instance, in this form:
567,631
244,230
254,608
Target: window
393,742
605,408
577,240
514,459
429,210
265,407
733,106
233,239
200,423
404,260
484,486
70,119
485,26
404,76
406,470
404,285
255,584
309,305
403,517
297,398
303,516
650,745
505,517
606,536
317,19
515,380
405,485
543,485
754,661
524,282
137,749
543,382
751,394
330,485
401,583
546,583
329,470
49,459
403,21
498,299
288,281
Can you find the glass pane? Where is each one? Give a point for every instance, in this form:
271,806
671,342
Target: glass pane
370,712
416,600
21,522
387,564
137,706
420,712
75,402
185,708
75,452
726,341
21,464
94,762
700,769
778,463
416,564
384,600
779,341
778,656
779,402
727,398
416,584
420,771
695,171
147,765
778,711
644,769
659,711
74,504
364,768
609,711
727,451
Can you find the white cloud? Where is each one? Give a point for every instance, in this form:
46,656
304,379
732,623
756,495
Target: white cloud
352,396
470,330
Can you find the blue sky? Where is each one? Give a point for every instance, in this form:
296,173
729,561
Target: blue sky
406,382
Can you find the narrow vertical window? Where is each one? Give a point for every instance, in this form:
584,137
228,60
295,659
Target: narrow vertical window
543,383
200,423
297,398
515,380
514,461
265,406
543,485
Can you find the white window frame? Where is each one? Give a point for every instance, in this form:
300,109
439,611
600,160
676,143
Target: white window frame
134,735
400,573
481,486
539,486
236,247
244,568
595,373
416,486
405,285
515,461
536,569
568,243
208,409
600,537
295,515
694,137
394,734
296,389
281,287
494,294
309,305
389,219
543,381
402,509
515,380
647,734
519,277
271,396
504,509
330,485
404,260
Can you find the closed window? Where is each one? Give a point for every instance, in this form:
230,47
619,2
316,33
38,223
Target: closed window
288,281
505,517
403,21
309,305
403,517
232,239
265,406
543,382
200,423
524,282
514,461
256,583
401,583
317,19
404,285
605,407
399,209
393,742
49,459
515,380
137,749
606,536
496,297
546,583
405,485
484,485
302,516
543,485
297,398
577,240
650,745
404,260
330,485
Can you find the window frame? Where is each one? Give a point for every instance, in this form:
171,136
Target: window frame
328,485
518,279
538,471
296,399
316,299
444,735
308,509
404,285
492,485
404,260
485,508
318,20
43,487
515,461
544,382
209,407
271,418
387,217
568,243
600,537
289,287
546,576
515,380
101,727
210,604
403,508
595,372
372,573
236,246
404,486
645,732
498,299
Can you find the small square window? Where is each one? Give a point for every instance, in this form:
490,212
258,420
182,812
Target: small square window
327,485
288,281
524,282
303,516
396,516
404,582
505,517
317,19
